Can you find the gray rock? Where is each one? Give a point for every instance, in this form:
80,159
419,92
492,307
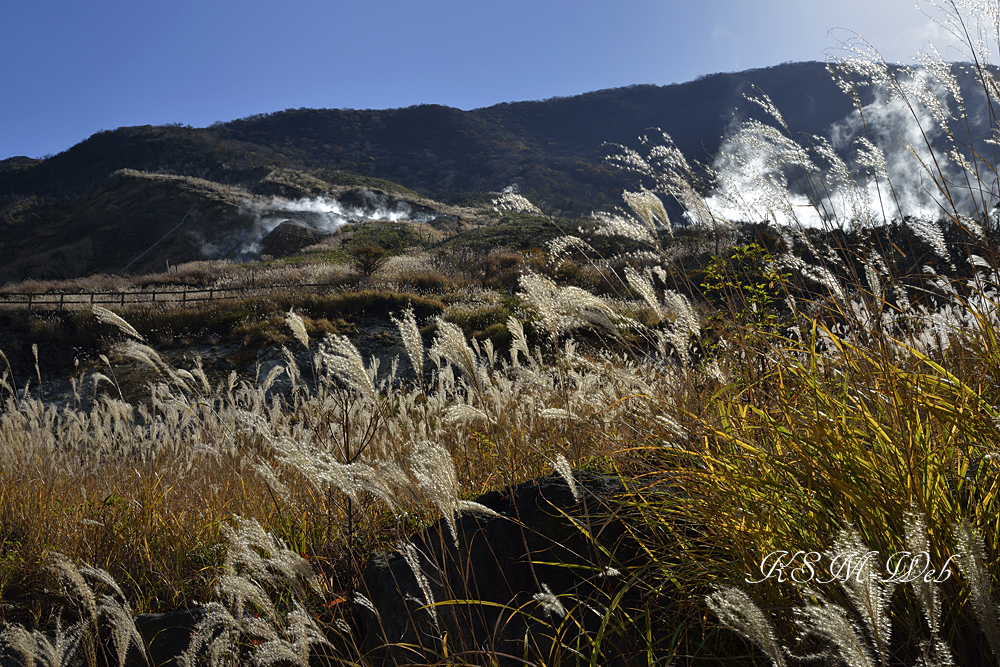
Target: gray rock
288,238
500,568
166,636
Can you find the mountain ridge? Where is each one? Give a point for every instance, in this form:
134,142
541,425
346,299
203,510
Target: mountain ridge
396,140
552,151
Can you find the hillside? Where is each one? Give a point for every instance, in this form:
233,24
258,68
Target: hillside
53,212
272,456
442,152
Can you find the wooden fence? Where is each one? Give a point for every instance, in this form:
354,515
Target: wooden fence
174,297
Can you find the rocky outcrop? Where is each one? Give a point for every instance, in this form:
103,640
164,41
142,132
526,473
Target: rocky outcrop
166,636
535,572
504,582
288,238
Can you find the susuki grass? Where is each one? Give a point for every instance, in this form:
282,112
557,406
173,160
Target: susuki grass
147,492
793,393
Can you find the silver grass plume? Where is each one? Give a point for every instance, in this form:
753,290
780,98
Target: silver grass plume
686,318
831,623
270,477
96,380
685,326
510,201
272,377
412,558
217,631
278,565
971,559
71,577
113,609
490,353
304,634
105,316
561,309
147,355
519,342
242,592
623,226
124,632
560,247
644,286
199,374
863,588
918,543
434,470
298,327
671,172
764,102
556,413
38,372
549,602
410,333
343,359
141,353
649,208
362,601
253,557
463,413
36,647
738,612
562,467
450,344
291,367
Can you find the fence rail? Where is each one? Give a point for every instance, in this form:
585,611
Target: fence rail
81,300
77,300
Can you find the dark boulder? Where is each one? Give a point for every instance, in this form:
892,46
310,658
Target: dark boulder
496,591
166,635
288,238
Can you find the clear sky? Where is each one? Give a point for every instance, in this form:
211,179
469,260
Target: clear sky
69,68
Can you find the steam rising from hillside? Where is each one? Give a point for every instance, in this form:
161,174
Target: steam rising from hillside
323,215
874,166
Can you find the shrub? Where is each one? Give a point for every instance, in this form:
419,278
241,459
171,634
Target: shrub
368,259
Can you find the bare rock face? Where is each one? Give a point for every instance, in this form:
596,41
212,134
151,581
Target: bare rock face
166,636
288,238
502,584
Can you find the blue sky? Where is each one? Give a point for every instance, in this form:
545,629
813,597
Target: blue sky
70,68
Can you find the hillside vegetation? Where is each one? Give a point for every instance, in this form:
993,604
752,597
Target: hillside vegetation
55,214
796,387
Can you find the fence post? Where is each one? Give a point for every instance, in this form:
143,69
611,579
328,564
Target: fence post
211,292
91,298
29,300
154,296
123,299
184,303
61,296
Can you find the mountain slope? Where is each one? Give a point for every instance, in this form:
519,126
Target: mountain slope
439,151
551,150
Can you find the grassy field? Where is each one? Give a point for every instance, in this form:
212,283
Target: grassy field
781,399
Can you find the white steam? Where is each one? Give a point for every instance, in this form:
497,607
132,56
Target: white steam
323,215
887,161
